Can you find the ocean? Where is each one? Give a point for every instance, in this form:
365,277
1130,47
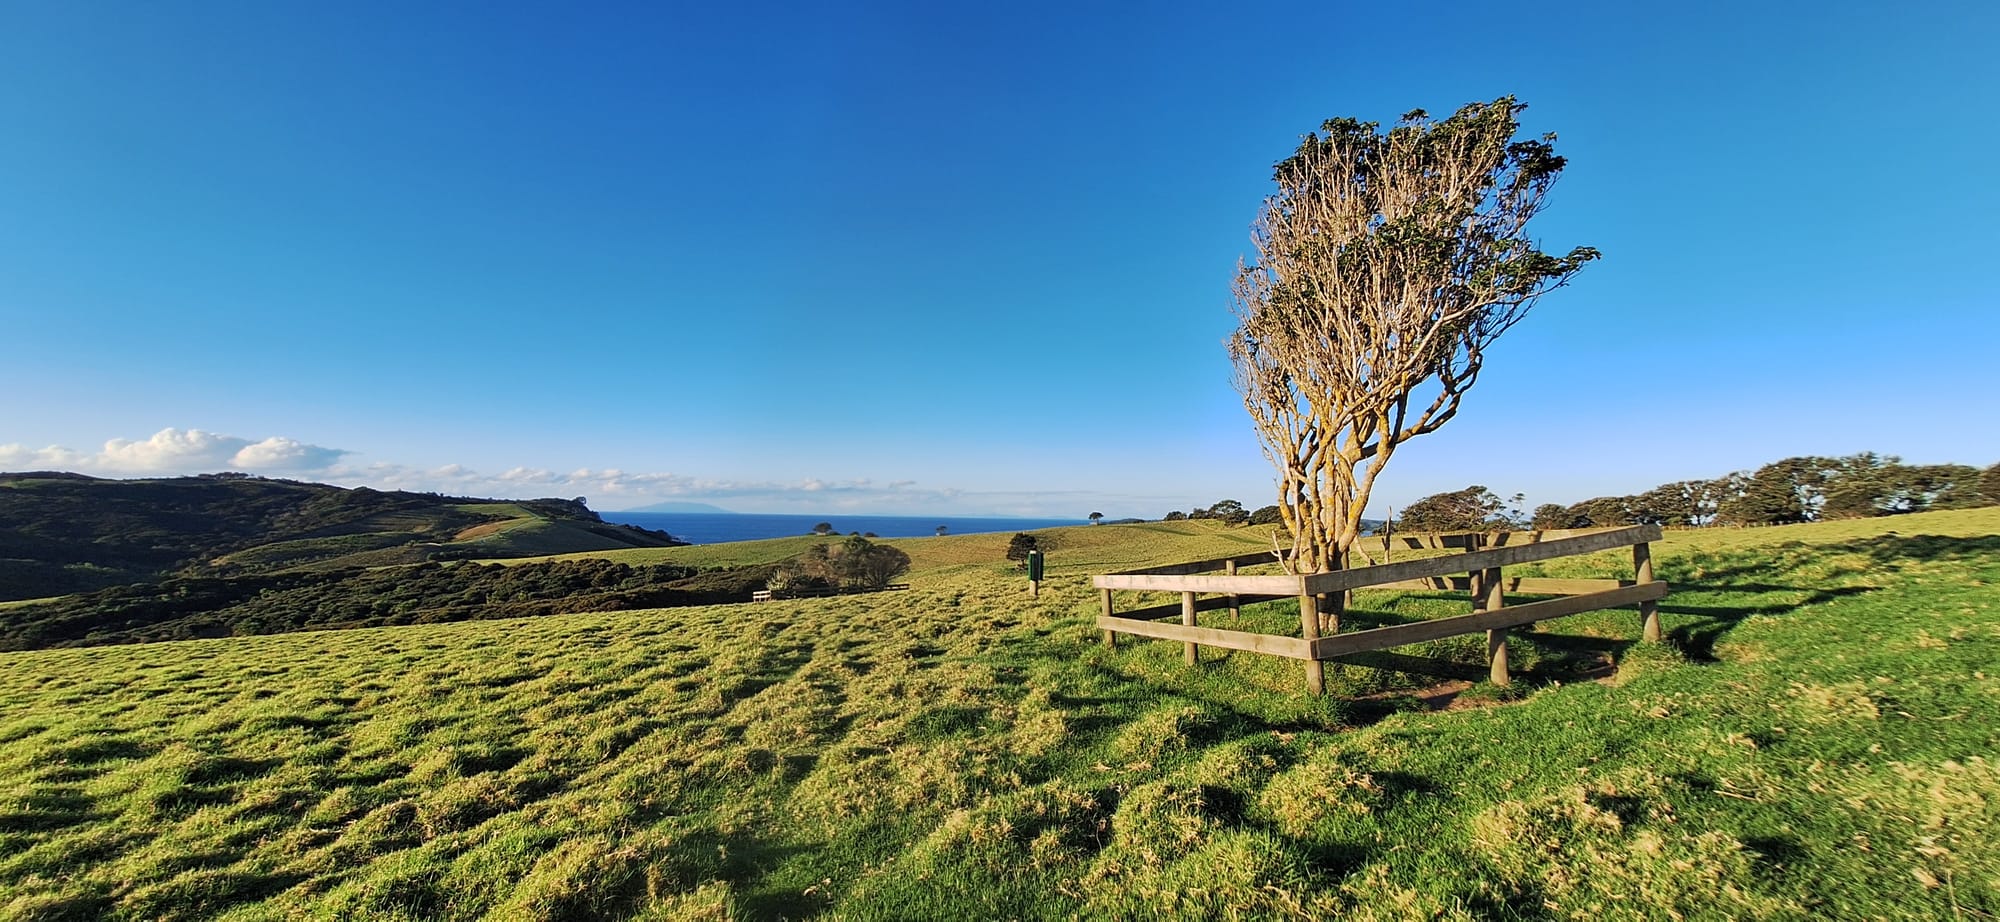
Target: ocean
717,528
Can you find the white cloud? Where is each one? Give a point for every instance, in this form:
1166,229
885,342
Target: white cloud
170,450
180,451
282,454
528,475
197,451
55,457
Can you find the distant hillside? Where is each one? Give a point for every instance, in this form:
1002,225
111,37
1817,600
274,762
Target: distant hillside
63,533
183,608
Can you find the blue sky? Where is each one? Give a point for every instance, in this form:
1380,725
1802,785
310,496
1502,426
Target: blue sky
932,258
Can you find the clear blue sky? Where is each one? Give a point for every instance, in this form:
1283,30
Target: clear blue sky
936,258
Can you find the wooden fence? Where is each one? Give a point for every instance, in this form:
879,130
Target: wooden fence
766,595
1478,571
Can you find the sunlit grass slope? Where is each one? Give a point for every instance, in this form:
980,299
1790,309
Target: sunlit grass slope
1818,742
1074,550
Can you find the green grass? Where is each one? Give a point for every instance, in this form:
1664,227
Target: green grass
1072,551
1816,741
332,551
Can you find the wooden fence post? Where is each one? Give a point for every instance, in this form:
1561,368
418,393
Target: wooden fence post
1496,640
1476,578
1309,627
1649,611
1235,604
1110,637
1188,650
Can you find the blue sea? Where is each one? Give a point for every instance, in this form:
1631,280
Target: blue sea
717,528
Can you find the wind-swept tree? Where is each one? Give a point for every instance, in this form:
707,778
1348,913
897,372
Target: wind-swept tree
1601,512
1096,517
1550,515
1229,511
1020,546
861,562
1385,264
1683,502
1780,493
1474,508
856,563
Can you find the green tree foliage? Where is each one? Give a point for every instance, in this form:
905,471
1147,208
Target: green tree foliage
866,564
823,529
1229,511
1989,486
1019,546
1946,486
1681,503
1863,485
855,563
1096,517
1267,515
1176,516
1806,489
1601,512
1779,493
1870,485
1474,508
1549,516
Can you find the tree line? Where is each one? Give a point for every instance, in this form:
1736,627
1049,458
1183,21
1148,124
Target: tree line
1790,491
1794,490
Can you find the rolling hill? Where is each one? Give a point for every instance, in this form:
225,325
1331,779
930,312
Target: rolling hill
63,533
1815,740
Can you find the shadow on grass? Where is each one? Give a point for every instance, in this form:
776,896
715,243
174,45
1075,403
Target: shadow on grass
1929,548
47,810
746,862
1697,638
1721,571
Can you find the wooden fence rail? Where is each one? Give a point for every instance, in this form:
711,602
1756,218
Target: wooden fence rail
1481,565
767,595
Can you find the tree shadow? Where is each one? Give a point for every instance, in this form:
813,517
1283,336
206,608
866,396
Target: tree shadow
1895,548
1697,639
747,861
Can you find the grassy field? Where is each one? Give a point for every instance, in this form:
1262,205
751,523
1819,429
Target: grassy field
1075,551
1816,741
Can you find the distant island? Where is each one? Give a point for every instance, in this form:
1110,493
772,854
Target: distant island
703,508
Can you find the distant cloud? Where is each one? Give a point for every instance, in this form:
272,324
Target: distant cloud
283,454
615,488
179,451
54,458
197,451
